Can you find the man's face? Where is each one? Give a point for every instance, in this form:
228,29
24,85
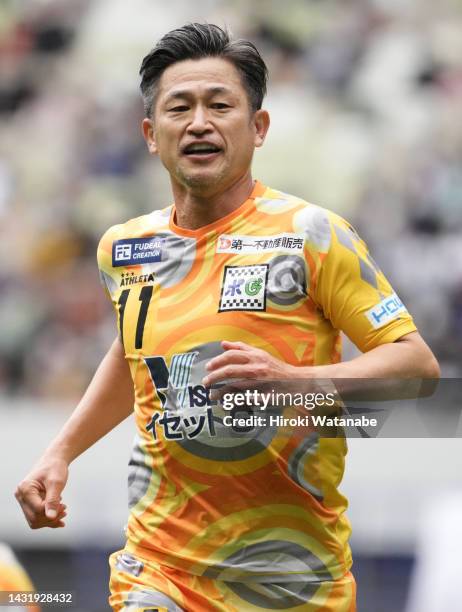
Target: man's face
203,128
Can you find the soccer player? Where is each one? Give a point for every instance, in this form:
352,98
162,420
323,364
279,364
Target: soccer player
233,280
14,580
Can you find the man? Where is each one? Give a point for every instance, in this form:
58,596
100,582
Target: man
235,280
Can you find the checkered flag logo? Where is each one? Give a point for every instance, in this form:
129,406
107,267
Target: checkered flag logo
244,288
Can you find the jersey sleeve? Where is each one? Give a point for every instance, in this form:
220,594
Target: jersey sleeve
107,273
354,294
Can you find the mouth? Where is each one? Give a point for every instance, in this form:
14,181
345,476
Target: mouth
201,151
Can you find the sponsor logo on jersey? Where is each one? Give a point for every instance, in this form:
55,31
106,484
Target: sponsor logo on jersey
385,311
288,243
136,251
176,393
244,288
130,278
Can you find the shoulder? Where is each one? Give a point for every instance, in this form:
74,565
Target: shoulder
138,227
319,225
117,242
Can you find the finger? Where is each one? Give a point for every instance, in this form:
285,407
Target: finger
61,514
42,521
220,374
34,519
38,521
53,497
231,356
30,496
231,371
238,346
33,501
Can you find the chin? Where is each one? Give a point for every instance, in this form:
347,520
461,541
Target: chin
202,181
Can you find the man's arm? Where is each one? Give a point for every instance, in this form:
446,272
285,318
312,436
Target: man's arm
408,357
106,403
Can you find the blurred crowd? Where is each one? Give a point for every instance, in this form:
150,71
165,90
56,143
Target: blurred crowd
365,100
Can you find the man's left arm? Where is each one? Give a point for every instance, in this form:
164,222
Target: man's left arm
406,357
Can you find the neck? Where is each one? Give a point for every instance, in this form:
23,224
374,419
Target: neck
195,210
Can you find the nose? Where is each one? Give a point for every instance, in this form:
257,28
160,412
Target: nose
199,121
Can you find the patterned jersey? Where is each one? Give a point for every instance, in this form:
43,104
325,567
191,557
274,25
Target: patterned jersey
281,275
13,578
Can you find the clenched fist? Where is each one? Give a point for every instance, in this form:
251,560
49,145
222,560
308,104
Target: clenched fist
39,494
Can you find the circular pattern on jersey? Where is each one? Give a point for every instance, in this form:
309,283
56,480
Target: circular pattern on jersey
149,599
268,557
178,254
313,221
277,596
293,557
287,282
227,445
298,461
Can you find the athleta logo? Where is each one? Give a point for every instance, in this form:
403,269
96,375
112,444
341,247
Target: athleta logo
130,278
244,288
385,311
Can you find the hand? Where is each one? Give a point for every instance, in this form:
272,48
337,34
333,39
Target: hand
39,494
242,361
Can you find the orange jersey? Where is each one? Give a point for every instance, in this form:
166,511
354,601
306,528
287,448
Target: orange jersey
13,580
281,275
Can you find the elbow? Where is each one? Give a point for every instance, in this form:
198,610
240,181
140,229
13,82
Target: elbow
428,366
431,368
430,375
422,361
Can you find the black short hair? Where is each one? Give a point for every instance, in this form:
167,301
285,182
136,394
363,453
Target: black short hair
196,41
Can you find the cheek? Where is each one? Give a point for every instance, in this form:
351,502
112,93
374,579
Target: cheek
243,146
241,136
167,133
167,146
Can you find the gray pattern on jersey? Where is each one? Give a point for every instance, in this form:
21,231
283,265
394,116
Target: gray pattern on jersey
287,282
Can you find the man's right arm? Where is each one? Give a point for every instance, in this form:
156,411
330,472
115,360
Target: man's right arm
107,402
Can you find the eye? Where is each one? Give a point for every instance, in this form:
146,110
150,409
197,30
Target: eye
220,105
178,109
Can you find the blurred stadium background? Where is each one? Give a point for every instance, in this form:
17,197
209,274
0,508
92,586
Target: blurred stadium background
365,98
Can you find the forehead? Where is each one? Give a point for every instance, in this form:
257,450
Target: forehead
200,75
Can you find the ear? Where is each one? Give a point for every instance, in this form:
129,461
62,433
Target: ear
147,128
261,121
